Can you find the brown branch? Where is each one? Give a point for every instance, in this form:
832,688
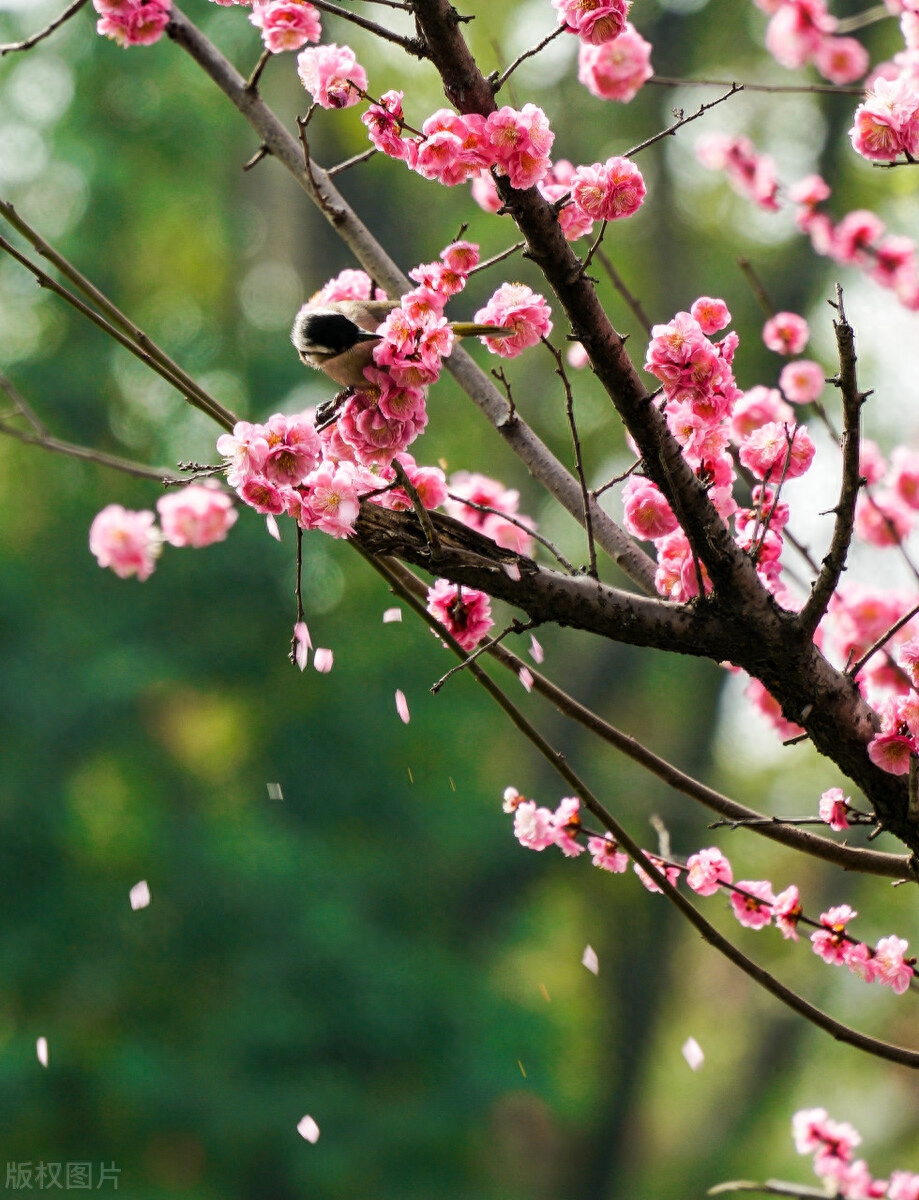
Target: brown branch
884,638
670,131
520,438
35,38
849,858
772,1187
149,351
852,399
756,285
578,459
56,446
902,1055
498,81
353,161
793,88
632,301
413,46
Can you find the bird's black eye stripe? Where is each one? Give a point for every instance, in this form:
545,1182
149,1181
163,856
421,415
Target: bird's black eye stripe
334,331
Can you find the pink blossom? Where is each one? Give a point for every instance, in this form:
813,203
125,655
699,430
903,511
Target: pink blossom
830,941
349,284
775,450
887,124
133,22
567,824
751,174
647,515
402,707
384,126
712,315
855,235
908,660
905,475
797,30
841,59
754,907
485,193
833,808
854,1181
302,644
607,855
786,333
286,24
454,148
480,490
196,516
534,827
332,75
517,307
246,450
892,752
891,967
707,871
802,381
859,958
787,912
519,143
670,873
759,406
882,519
903,1185
809,191
294,448
323,660
594,21
464,612
608,191
332,502
125,540
262,495
616,70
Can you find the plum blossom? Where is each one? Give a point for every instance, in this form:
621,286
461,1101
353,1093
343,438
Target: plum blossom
608,191
830,941
464,612
616,70
606,854
518,307
786,333
707,870
518,144
891,967
753,902
787,911
534,826
197,516
286,24
712,314
802,381
647,515
133,22
670,873
775,450
332,75
126,541
751,174
887,124
834,808
594,21
566,821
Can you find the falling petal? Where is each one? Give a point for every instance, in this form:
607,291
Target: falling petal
322,661
41,1051
692,1052
392,614
511,570
402,707
273,527
526,678
274,791
590,960
536,651
308,1129
304,644
139,895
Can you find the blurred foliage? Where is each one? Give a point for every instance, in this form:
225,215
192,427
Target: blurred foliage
373,949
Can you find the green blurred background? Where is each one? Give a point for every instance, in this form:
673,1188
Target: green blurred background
374,949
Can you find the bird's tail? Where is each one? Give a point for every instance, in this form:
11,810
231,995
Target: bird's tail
468,329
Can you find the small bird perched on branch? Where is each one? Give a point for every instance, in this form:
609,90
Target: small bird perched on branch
339,338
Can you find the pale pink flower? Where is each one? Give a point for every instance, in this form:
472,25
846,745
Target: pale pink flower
196,516
534,826
577,356
323,660
882,519
126,541
384,126
464,612
566,822
759,406
133,22
594,21
332,501
787,911
332,75
854,1181
809,191
286,24
891,967
905,475
712,314
608,191
887,124
859,958
833,808
908,660
349,284
903,1185
797,30
775,450
892,752
754,908
707,870
750,173
671,874
518,307
616,70
647,515
786,333
303,644
855,236
485,193
264,496
841,59
802,381
830,941
607,855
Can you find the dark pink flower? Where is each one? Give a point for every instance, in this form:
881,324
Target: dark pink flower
752,901
608,191
464,612
518,307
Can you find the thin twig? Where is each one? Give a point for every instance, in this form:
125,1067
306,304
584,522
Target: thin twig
35,38
757,287
831,88
885,637
490,262
56,446
261,152
634,304
772,1187
414,46
543,541
485,645
733,90
424,517
23,407
252,81
498,81
352,162
578,459
843,1033
848,24
604,487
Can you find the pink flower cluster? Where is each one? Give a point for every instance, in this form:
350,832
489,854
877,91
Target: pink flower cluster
616,70
286,24
887,124
468,490
464,612
751,174
454,148
831,1143
594,21
608,191
538,828
515,306
556,186
132,22
130,542
858,616
802,31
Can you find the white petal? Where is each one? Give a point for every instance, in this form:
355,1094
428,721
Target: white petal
692,1052
274,791
402,707
392,614
536,651
41,1051
273,527
308,1129
139,895
323,660
590,960
526,678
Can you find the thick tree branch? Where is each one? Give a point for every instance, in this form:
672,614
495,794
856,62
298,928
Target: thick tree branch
540,461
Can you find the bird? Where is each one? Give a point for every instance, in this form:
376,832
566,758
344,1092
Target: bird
338,338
